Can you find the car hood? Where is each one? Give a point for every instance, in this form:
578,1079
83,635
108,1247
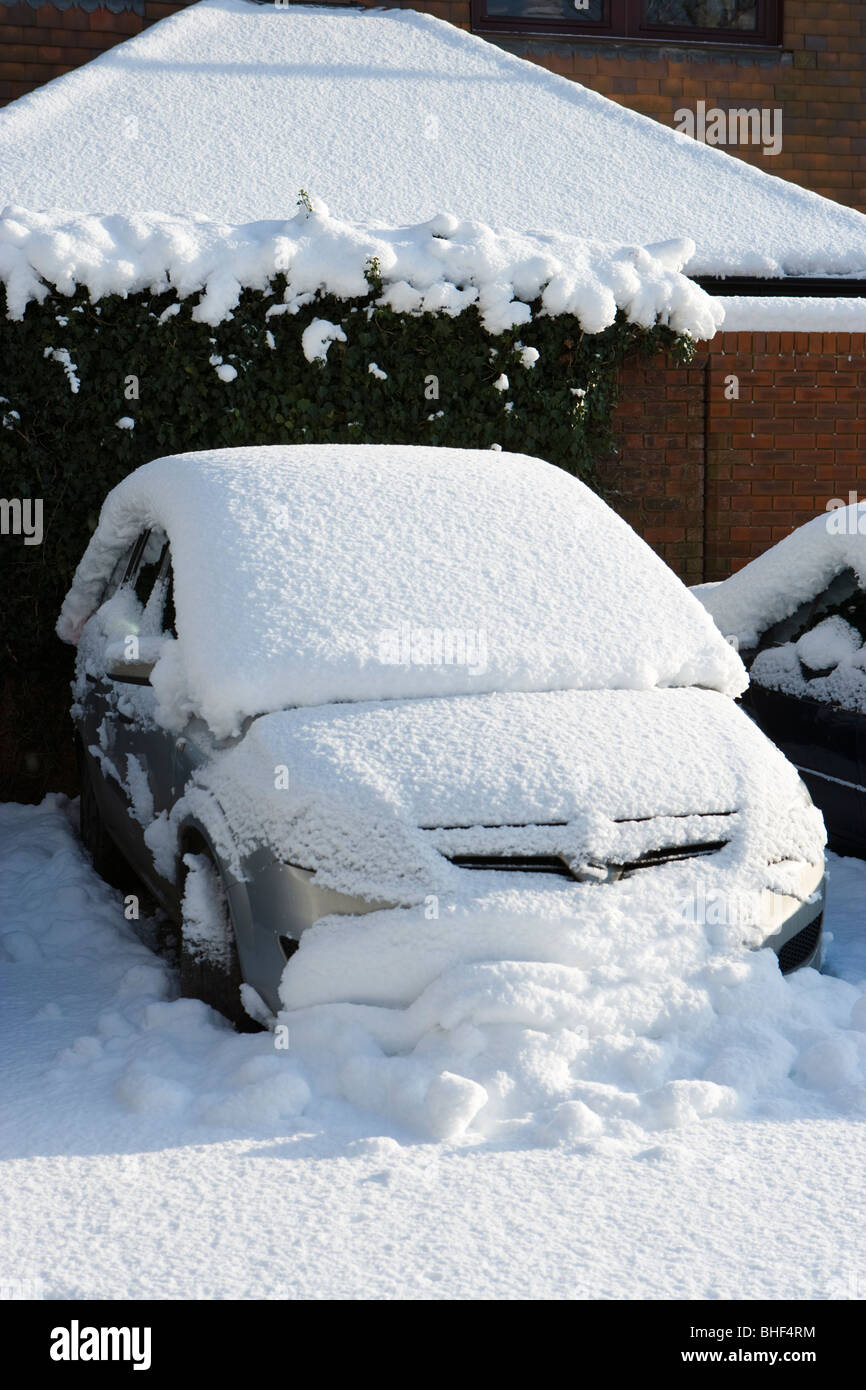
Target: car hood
372,796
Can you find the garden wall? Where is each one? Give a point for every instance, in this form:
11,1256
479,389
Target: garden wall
711,478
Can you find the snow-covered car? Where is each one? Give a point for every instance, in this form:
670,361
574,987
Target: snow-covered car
798,617
319,682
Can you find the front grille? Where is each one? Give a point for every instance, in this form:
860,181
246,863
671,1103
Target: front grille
669,854
598,873
514,863
800,947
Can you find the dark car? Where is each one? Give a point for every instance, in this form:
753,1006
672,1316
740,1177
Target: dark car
807,667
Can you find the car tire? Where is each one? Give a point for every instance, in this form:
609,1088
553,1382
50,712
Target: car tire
107,859
210,967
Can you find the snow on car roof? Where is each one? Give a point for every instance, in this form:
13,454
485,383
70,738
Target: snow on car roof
773,586
226,109
309,574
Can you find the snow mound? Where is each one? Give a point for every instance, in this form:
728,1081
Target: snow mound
637,1030
830,642
523,1016
442,265
363,572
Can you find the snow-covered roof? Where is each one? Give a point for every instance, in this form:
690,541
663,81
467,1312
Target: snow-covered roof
306,574
227,108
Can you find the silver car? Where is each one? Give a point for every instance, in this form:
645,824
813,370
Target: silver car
266,743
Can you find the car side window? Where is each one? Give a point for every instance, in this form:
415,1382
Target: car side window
148,568
820,650
160,604
121,569
150,576
843,596
169,618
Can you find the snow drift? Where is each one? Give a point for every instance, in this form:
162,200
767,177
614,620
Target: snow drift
212,1165
648,1028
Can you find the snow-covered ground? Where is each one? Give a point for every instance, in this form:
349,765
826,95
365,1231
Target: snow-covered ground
148,1151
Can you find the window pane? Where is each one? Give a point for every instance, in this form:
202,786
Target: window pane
149,566
567,11
163,593
702,14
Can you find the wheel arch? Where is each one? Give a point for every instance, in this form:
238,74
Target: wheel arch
194,837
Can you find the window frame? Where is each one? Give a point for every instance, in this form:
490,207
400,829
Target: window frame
127,570
134,559
624,20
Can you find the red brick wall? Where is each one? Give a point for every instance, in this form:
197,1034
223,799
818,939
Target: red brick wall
794,439
712,482
38,44
657,481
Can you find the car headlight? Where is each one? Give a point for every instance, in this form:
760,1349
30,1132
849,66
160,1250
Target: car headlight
779,909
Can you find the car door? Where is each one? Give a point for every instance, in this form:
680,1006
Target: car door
135,753
96,720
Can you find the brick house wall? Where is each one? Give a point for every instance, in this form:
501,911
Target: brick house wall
37,44
657,480
711,482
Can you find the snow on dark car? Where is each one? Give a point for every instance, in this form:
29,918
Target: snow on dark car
798,616
359,714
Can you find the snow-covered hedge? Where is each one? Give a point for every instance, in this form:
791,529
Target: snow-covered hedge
126,339
443,264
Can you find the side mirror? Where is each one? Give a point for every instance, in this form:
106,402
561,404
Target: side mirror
131,672
131,659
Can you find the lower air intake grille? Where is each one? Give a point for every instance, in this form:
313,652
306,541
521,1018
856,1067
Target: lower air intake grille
800,947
